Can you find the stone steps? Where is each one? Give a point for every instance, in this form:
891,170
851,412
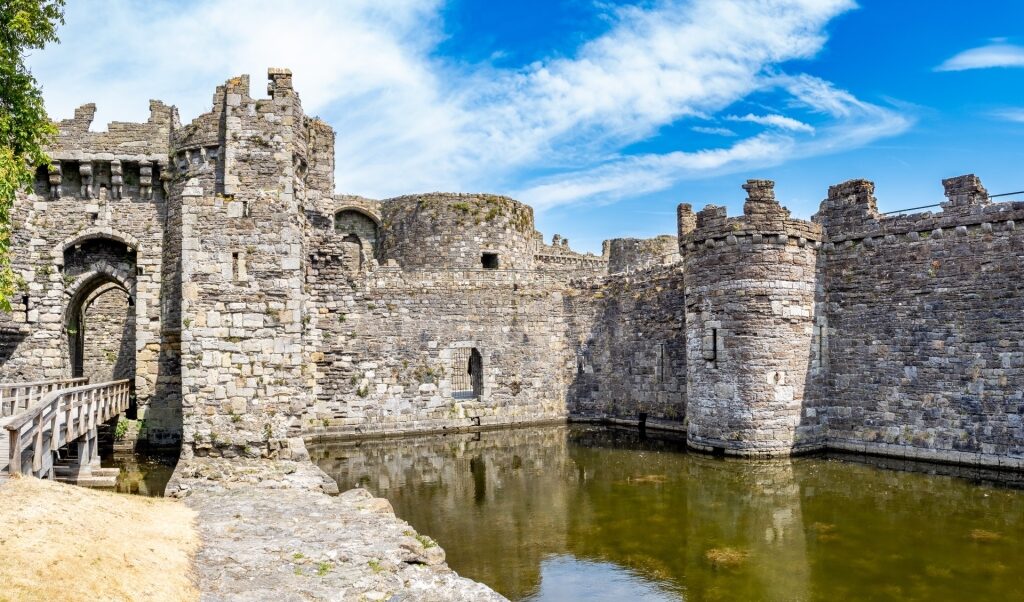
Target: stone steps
66,470
90,481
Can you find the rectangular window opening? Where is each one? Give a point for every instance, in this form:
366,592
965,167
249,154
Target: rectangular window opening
821,356
245,208
235,266
489,261
710,345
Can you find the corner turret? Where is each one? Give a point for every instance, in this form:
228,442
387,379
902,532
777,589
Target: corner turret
750,305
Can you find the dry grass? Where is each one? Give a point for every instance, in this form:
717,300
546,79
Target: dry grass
61,542
725,558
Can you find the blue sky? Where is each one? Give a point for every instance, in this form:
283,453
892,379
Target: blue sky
603,115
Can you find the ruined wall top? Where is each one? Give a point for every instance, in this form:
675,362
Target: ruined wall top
964,191
123,140
850,212
629,254
560,256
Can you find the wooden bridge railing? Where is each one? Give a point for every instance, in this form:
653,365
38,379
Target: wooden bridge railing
62,417
18,397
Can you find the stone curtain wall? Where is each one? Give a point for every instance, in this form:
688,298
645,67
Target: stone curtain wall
559,256
108,328
750,288
630,336
926,326
386,362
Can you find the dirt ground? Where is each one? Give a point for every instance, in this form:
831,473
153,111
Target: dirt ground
61,542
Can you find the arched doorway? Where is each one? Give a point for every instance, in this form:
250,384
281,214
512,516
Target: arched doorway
106,333
100,325
357,226
99,318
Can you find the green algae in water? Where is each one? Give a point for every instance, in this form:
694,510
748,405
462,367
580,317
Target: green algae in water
143,472
586,513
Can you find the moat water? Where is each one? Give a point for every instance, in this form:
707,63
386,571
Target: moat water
586,513
143,472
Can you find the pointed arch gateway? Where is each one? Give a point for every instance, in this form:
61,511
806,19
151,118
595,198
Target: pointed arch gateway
99,321
99,310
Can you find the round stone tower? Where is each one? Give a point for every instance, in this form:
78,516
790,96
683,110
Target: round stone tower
464,231
750,306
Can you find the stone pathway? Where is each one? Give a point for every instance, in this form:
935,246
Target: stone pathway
269,532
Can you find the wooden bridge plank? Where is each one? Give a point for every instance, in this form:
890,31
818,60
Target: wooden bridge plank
82,408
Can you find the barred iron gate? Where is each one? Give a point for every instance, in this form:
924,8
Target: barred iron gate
467,373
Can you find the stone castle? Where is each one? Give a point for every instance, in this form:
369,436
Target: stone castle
213,264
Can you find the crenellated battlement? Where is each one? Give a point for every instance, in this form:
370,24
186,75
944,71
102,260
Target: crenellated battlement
764,221
850,215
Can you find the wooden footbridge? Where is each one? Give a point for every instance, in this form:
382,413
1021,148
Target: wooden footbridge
43,424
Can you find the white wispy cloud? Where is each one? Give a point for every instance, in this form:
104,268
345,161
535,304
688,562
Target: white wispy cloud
774,120
714,131
850,123
996,54
1015,114
409,120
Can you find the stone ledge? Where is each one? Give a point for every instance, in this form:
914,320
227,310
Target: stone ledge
298,543
960,458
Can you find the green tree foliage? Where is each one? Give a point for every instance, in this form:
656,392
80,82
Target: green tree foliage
24,126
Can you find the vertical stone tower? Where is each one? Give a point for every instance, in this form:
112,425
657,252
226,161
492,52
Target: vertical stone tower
750,288
240,175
